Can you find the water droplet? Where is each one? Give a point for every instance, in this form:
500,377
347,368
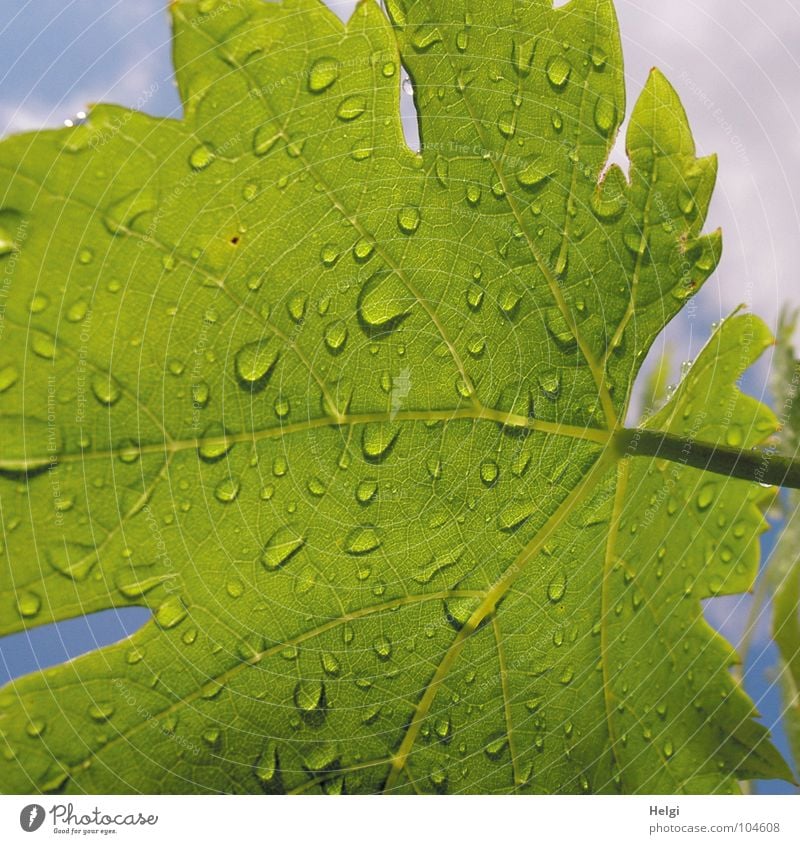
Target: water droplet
309,699
264,139
227,490
534,175
734,436
39,303
170,613
473,194
438,564
106,389
377,440
506,125
254,364
474,297
8,377
598,56
201,393
363,539
366,491
605,115
212,737
408,219
28,604
77,311
522,53
336,336
509,301
557,587
351,108
101,712
383,648
281,547
424,37
558,71
489,472
636,241
132,587
324,72
559,329
324,756
7,243
383,304
200,157
36,727
550,382
706,496
515,515
214,443
496,747
43,345
266,769
363,249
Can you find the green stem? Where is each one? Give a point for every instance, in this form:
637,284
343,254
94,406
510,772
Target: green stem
761,465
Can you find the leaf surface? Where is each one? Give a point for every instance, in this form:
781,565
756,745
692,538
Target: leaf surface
340,415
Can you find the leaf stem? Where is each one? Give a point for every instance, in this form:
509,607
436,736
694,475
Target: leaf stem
761,465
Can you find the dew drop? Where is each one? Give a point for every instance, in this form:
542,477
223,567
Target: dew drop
227,490
558,72
106,390
366,491
266,768
706,496
383,648
351,108
254,364
336,336
489,472
214,443
8,377
559,329
324,72
557,588
605,115
281,547
36,727
170,613
362,540
309,699
424,37
100,712
474,297
496,747
28,604
534,175
377,440
408,219
264,139
201,157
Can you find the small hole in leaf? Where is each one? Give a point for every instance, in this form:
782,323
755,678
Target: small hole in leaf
235,240
56,643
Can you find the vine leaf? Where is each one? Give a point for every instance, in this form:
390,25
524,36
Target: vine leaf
783,572
342,417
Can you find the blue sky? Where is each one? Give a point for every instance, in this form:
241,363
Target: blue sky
735,63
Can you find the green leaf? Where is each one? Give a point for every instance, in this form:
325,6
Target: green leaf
784,566
342,417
